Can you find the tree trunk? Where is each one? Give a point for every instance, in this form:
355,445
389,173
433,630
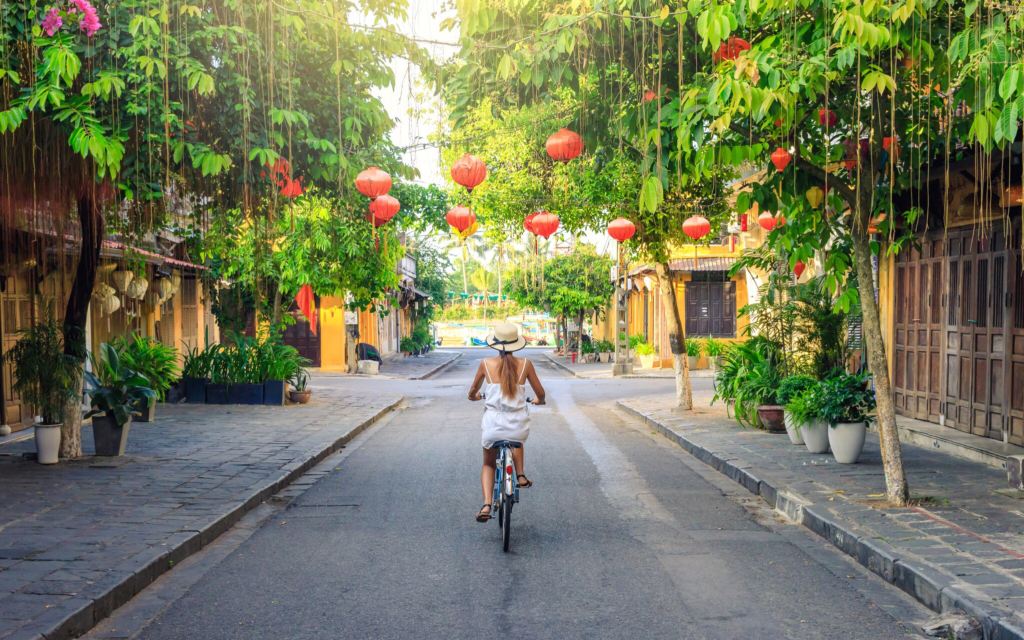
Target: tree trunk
499,271
579,336
897,490
276,319
76,314
676,337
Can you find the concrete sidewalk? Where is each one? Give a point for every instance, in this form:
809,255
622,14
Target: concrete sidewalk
408,368
82,537
603,370
961,546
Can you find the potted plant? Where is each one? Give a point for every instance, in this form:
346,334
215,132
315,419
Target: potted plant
195,370
804,411
693,349
759,389
300,393
245,384
217,388
152,359
588,351
847,402
606,349
714,350
116,392
44,377
646,354
789,389
408,346
282,363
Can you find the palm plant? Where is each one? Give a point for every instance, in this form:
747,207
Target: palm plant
150,358
823,328
44,375
198,362
114,388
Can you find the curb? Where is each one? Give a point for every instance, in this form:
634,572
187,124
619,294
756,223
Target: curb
440,369
76,616
933,588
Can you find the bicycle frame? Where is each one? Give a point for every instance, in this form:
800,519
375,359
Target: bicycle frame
505,480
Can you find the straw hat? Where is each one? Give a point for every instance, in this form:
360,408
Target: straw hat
506,338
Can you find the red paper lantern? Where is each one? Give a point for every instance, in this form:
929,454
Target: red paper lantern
291,188
696,227
893,147
621,229
384,207
731,49
826,117
780,158
798,268
743,222
377,222
766,220
732,244
373,182
780,220
564,145
460,217
649,95
528,222
469,171
545,224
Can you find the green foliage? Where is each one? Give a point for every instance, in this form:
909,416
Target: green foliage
694,347
408,345
805,407
460,312
569,283
644,349
300,381
44,376
749,377
604,346
714,348
634,341
149,358
794,386
198,362
114,388
847,398
587,347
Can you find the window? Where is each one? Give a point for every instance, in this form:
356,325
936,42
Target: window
710,303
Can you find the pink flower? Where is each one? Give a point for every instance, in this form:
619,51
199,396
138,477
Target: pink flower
52,22
90,21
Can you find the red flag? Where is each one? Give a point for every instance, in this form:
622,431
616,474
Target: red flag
307,305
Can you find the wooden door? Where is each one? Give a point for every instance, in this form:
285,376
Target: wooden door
18,312
918,331
189,313
975,386
299,335
1014,309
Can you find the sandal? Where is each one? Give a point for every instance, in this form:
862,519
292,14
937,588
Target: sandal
484,517
524,485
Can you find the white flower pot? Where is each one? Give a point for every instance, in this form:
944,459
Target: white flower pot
791,430
815,435
47,443
691,362
847,441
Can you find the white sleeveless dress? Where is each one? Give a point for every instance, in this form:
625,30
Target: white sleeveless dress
504,418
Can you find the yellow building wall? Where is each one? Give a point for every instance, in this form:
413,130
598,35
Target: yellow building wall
333,337
886,300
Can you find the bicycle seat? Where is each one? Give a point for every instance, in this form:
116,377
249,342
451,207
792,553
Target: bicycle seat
506,443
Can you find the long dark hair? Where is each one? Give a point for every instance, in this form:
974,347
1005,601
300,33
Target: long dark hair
508,374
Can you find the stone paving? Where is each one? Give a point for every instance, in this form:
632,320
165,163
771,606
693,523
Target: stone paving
409,367
603,370
80,538
966,538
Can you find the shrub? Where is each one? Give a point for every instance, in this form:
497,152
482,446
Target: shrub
644,349
44,376
793,386
714,348
847,398
693,347
154,360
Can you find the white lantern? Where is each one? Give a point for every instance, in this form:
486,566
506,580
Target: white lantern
122,279
110,305
165,287
141,285
153,299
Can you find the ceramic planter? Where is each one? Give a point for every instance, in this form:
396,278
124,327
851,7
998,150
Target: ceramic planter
195,390
588,357
847,440
274,392
815,434
216,393
771,418
245,393
791,429
301,397
692,361
110,438
647,362
47,443
716,363
147,411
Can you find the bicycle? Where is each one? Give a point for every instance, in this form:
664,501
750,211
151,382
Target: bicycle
506,487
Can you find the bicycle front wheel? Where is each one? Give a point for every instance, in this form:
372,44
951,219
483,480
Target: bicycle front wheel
506,532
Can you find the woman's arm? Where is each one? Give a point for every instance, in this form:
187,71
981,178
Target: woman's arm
531,376
478,381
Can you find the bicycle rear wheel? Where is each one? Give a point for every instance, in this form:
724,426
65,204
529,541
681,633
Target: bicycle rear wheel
501,511
506,533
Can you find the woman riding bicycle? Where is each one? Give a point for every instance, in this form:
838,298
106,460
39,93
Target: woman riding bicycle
506,416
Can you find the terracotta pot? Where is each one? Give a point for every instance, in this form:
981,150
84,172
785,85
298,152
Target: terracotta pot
301,397
771,418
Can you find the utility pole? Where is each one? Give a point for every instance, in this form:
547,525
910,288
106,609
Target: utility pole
623,362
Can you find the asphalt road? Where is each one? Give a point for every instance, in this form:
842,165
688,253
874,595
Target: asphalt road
622,536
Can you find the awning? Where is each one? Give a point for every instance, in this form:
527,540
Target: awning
422,294
152,258
715,263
